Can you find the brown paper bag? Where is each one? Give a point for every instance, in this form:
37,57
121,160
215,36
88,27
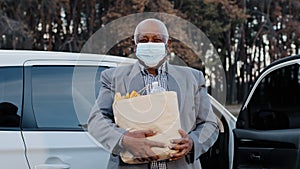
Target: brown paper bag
158,112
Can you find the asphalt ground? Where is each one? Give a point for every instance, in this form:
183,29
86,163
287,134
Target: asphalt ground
234,109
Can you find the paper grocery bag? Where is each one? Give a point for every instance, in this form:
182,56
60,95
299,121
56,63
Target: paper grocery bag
158,112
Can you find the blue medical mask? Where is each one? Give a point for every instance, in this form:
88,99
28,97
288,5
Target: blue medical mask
151,53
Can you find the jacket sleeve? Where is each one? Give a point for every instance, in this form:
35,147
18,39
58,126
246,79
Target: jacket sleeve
207,130
101,124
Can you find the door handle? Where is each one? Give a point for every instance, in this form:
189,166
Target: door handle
53,163
52,166
255,156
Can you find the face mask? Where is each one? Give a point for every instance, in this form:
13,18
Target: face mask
151,53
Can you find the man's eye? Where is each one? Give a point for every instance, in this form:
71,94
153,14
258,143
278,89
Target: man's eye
158,40
143,40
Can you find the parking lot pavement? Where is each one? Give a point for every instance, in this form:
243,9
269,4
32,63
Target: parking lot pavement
234,108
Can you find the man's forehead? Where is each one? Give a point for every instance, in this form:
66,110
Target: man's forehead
143,34
154,30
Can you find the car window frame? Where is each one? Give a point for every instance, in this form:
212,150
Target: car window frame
29,122
16,128
263,75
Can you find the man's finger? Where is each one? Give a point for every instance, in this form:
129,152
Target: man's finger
141,133
178,147
151,156
147,155
140,159
156,144
176,156
146,133
149,133
182,133
179,141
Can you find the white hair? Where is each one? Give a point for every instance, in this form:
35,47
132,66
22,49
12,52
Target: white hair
161,25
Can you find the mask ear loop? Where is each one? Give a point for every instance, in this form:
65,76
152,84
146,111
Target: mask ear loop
168,52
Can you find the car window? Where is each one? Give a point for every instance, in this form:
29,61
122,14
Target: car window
11,87
275,102
54,95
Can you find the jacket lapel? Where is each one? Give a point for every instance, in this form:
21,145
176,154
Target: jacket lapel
134,81
174,81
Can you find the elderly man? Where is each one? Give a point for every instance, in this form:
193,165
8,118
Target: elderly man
198,122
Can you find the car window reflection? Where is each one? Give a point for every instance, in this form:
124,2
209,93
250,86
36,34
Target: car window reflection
11,88
275,103
8,115
53,96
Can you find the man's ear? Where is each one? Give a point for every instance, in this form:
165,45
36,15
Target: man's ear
169,42
134,45
168,45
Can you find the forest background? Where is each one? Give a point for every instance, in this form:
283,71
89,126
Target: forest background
247,34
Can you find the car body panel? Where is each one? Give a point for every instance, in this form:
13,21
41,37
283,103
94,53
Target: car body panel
74,150
221,111
12,150
19,57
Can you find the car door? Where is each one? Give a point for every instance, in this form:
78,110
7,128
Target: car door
267,133
12,150
58,98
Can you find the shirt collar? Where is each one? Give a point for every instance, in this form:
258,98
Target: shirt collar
161,69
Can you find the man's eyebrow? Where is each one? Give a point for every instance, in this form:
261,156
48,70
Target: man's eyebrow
153,35
160,36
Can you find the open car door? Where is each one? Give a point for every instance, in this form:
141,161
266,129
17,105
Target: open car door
267,133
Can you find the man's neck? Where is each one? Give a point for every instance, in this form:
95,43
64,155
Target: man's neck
152,71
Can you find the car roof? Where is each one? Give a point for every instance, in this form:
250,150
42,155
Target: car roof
279,61
19,57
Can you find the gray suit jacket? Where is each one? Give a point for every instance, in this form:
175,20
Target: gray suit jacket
196,115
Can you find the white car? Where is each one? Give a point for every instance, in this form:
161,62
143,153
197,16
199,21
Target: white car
45,99
39,126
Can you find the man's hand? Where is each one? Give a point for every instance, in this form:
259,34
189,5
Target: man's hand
183,146
136,143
